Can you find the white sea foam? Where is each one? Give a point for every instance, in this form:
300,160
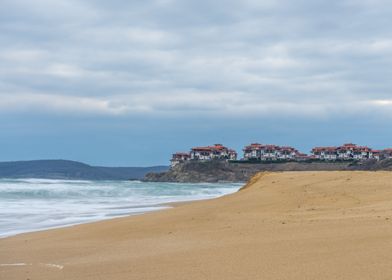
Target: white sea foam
14,264
36,204
51,265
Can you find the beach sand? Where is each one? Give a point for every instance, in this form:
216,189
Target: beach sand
291,225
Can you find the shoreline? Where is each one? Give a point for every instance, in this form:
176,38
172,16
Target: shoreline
30,207
165,206
160,207
287,225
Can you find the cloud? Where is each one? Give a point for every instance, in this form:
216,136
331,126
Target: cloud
383,103
191,104
180,58
58,104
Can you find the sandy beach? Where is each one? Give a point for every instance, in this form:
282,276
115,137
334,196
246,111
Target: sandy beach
289,225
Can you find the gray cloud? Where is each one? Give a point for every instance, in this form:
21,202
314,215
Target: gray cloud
167,57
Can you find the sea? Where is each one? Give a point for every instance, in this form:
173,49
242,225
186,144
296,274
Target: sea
28,205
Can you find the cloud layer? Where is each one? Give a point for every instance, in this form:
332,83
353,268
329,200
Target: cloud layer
167,57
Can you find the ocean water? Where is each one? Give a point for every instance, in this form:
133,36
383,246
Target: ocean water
35,204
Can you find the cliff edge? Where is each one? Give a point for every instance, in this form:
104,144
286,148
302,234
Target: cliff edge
222,171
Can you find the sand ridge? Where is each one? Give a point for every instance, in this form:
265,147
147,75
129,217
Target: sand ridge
285,225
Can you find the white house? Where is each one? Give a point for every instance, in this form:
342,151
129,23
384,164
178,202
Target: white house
346,152
217,151
178,158
260,152
325,153
387,153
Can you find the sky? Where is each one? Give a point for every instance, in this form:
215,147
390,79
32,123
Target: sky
128,83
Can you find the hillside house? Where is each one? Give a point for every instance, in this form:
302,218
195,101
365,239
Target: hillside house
260,152
215,152
377,154
178,158
325,153
346,152
387,153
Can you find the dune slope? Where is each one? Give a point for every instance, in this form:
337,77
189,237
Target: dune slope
291,225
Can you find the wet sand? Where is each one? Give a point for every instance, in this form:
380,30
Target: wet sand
290,225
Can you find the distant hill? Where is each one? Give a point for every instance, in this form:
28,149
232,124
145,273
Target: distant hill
65,169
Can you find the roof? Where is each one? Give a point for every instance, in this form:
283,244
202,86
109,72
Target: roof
216,147
345,147
324,149
181,154
349,145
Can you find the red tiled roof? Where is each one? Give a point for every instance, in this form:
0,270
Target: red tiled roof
257,146
345,147
181,154
209,148
349,145
253,146
216,147
319,149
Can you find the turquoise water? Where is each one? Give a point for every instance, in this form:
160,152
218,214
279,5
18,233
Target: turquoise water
36,204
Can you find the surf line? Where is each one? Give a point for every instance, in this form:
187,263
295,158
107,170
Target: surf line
15,264
60,267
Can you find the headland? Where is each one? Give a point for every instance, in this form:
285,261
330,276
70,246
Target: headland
225,171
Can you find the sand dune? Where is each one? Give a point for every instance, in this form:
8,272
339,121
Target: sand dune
291,225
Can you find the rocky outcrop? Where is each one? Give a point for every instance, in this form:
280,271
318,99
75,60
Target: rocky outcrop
221,171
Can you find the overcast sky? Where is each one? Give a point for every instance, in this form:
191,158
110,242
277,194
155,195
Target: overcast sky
130,82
